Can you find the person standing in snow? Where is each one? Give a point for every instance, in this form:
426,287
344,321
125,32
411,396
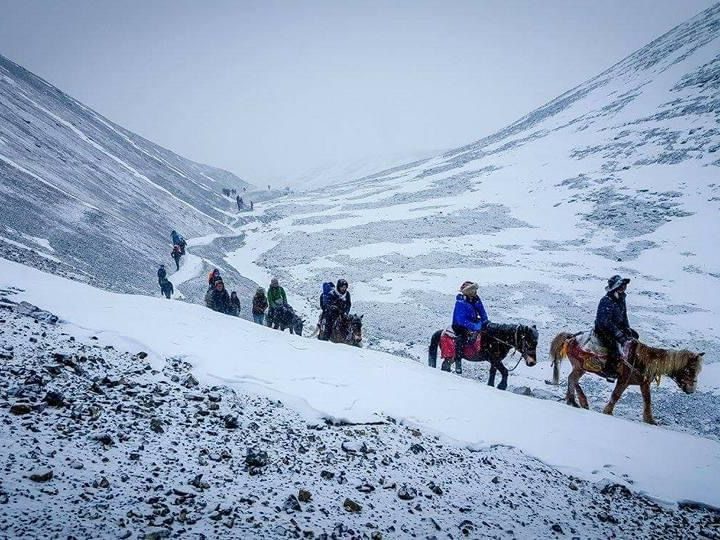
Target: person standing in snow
176,254
260,304
611,324
469,318
234,304
276,298
161,274
166,288
218,298
325,296
213,276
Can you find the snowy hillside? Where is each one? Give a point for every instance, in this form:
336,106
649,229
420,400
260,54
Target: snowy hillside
619,175
89,198
105,430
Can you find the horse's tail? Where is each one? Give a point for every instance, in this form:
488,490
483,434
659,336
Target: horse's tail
558,351
432,350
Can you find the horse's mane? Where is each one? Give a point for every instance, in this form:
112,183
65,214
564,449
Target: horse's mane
657,362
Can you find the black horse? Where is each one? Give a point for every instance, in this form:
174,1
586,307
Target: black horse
497,341
285,317
347,329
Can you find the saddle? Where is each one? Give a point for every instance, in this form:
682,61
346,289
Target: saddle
447,345
593,354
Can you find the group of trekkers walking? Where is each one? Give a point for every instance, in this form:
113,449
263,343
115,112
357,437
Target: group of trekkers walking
178,250
612,327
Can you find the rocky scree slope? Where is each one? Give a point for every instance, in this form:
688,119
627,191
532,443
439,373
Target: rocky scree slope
95,200
99,442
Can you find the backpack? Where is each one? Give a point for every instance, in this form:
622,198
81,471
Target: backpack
328,288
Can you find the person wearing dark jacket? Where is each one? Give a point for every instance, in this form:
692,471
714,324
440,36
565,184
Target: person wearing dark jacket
161,274
469,318
234,305
611,323
328,288
218,298
337,304
166,288
178,240
176,254
260,304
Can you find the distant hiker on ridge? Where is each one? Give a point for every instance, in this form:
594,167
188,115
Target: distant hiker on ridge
178,240
166,288
161,274
213,276
176,254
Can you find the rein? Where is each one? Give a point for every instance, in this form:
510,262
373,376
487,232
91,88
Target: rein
513,347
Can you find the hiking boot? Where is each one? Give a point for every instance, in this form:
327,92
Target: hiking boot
609,370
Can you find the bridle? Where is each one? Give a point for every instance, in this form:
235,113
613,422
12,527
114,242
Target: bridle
515,348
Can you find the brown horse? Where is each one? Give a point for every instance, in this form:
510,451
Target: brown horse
347,329
645,365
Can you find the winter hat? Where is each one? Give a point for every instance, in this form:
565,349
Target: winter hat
342,283
260,290
469,288
616,282
274,282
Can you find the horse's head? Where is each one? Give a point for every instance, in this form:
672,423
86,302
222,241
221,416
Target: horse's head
355,329
528,340
686,377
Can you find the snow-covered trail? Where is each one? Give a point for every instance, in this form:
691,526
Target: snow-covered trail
326,380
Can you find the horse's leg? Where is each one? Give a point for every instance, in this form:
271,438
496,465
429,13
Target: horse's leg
458,365
580,394
573,378
620,386
647,405
504,374
491,377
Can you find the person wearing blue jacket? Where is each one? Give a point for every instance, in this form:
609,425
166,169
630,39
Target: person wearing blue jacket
469,317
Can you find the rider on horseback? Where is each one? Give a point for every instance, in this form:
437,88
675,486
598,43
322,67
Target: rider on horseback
469,317
612,326
337,305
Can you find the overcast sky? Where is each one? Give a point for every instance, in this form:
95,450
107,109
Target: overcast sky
272,89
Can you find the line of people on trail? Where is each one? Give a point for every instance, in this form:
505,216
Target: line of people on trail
241,204
178,250
612,327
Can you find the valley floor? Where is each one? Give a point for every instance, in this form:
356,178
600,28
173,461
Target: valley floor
99,441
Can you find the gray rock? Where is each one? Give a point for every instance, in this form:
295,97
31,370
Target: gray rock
351,506
292,505
41,475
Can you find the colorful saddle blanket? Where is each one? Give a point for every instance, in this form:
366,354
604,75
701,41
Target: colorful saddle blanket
447,345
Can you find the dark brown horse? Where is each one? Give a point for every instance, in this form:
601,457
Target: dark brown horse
497,340
347,329
644,365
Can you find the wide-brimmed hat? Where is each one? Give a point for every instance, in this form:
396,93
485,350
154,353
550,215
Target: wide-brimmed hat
616,282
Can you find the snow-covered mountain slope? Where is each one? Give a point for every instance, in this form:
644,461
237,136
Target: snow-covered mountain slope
92,199
331,174
346,384
619,175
